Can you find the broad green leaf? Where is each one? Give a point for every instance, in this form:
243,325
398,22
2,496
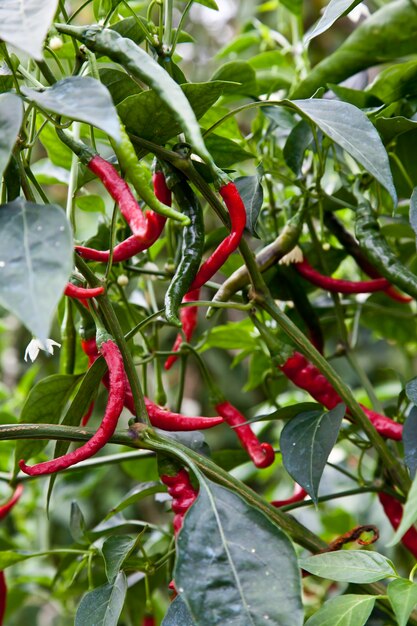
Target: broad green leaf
349,127
24,24
251,192
306,442
260,366
130,28
349,566
11,116
402,594
58,153
44,405
178,614
391,127
141,65
411,390
49,174
387,34
91,204
273,71
409,514
395,82
226,152
231,336
410,441
348,610
413,218
119,84
10,557
80,98
115,551
288,412
147,116
77,524
294,6
210,4
332,12
102,606
300,137
134,495
35,262
237,72
225,541
360,99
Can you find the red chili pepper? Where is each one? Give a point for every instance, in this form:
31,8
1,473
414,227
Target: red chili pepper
159,417
237,212
262,454
306,376
299,495
4,511
337,285
394,511
73,291
148,620
183,495
133,245
117,377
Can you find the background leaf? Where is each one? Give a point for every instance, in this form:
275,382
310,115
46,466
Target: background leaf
33,274
11,115
178,614
402,594
306,442
102,606
115,550
410,441
350,566
409,514
345,610
252,194
25,24
332,12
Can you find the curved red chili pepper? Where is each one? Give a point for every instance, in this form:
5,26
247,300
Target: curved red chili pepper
114,360
73,291
299,495
183,495
394,511
188,318
4,511
262,454
306,376
148,620
337,285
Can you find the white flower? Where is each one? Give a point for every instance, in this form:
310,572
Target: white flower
35,345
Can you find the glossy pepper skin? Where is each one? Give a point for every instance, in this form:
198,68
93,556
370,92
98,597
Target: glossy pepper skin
4,511
337,285
299,495
114,360
394,511
82,293
188,319
262,454
237,212
191,251
306,376
183,495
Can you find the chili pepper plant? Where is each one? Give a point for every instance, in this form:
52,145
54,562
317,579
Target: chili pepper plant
208,283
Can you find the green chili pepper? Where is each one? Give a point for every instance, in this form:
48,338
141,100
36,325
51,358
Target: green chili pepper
387,34
377,250
137,174
191,251
141,65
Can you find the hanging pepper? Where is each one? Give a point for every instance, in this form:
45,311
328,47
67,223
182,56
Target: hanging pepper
394,511
191,251
237,212
337,285
183,495
299,495
73,291
188,319
148,620
117,384
4,511
306,376
351,246
262,454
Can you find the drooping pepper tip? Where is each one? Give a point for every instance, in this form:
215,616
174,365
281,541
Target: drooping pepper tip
264,456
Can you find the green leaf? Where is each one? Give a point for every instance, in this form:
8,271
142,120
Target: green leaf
402,594
225,151
387,34
58,153
103,606
119,84
24,24
44,405
410,441
210,4
300,137
239,44
178,614
273,71
413,213
237,72
115,551
35,262
349,566
138,492
130,28
391,127
306,442
332,12
396,82
259,367
231,336
252,194
10,557
225,541
79,98
349,127
294,6
409,514
348,610
77,524
147,116
11,116
91,204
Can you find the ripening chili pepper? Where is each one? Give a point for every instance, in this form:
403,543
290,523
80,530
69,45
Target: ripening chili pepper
183,495
188,318
394,511
4,511
191,251
306,376
337,285
117,385
377,250
82,293
299,495
148,620
351,246
262,454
